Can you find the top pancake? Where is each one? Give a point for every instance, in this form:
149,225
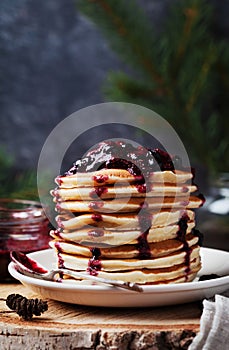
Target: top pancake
113,176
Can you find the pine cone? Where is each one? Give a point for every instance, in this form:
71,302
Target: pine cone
26,308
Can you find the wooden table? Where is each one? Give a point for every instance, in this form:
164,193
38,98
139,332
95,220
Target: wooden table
67,326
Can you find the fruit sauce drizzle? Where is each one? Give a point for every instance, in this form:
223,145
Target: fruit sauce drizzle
94,264
181,236
98,191
120,155
145,221
60,259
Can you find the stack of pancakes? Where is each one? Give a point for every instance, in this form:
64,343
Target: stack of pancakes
128,216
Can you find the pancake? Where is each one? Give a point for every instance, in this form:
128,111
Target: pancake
124,251
122,221
129,206
108,192
117,176
79,263
99,237
184,278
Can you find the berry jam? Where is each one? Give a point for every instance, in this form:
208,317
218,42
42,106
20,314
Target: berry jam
58,247
184,189
203,200
100,178
59,180
94,264
143,246
98,191
23,227
164,159
141,188
60,261
181,236
198,234
58,233
97,217
121,155
96,205
96,233
27,262
145,220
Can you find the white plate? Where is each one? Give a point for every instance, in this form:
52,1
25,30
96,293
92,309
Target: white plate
213,261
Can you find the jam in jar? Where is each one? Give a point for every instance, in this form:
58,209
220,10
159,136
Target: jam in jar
23,227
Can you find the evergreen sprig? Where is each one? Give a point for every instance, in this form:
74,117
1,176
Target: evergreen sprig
15,183
182,73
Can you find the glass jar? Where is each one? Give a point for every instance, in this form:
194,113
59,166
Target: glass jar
213,218
23,227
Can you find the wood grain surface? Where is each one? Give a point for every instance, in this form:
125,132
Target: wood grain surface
67,326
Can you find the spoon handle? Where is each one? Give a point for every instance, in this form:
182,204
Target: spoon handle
126,285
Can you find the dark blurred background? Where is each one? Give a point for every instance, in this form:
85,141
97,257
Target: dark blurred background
54,60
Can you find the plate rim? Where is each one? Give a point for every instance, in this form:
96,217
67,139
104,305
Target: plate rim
165,288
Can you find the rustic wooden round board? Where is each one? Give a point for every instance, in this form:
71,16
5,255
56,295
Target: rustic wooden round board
68,326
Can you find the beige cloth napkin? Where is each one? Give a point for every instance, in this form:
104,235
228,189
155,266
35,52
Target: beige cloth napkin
214,325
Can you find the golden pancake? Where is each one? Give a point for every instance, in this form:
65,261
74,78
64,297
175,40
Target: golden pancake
158,249
185,278
123,221
108,192
98,237
80,263
141,275
112,176
130,205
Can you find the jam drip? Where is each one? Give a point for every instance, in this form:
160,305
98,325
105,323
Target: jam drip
96,217
58,247
202,198
181,236
100,178
60,261
145,220
200,235
165,161
94,264
98,191
95,205
96,233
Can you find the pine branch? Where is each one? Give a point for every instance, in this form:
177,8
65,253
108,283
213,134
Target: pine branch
14,183
210,59
120,22
135,88
19,185
190,18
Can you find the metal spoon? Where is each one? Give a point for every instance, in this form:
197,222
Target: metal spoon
31,268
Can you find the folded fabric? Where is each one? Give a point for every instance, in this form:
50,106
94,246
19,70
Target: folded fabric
214,325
